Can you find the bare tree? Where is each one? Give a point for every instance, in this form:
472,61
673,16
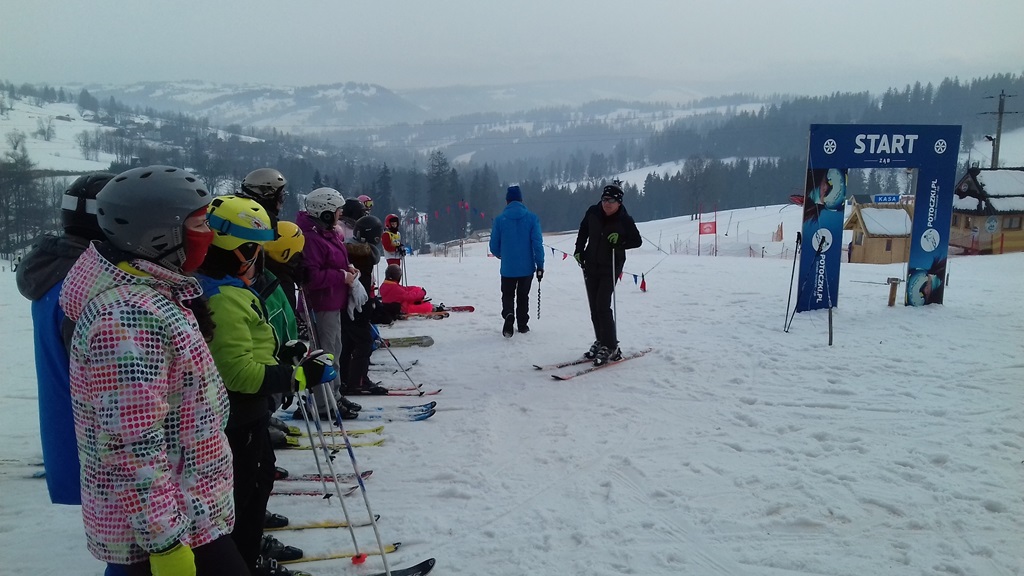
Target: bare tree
16,140
45,128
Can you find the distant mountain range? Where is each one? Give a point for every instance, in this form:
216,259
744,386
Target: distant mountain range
353,105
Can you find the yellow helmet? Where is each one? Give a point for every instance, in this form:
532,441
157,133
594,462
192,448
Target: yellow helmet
289,242
236,221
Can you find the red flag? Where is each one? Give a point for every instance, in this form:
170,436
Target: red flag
796,199
643,283
707,227
565,255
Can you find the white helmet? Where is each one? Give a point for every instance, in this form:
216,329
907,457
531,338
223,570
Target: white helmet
323,203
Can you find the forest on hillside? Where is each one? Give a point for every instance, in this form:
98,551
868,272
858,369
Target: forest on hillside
732,159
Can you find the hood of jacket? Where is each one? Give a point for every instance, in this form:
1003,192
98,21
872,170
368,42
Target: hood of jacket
47,264
515,211
211,286
96,272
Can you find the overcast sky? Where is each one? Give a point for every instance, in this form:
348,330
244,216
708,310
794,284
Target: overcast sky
813,47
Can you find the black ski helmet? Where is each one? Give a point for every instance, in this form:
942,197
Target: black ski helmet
368,229
78,206
143,211
353,209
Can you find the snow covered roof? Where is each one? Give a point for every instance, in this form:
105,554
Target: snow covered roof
1002,182
885,221
1007,203
966,204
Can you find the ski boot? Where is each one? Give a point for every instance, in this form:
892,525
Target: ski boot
506,329
606,355
271,520
270,567
275,549
592,353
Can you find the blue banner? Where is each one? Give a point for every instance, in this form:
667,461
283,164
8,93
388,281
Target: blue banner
835,148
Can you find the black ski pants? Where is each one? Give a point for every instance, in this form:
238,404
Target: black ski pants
254,464
217,558
356,347
515,298
600,285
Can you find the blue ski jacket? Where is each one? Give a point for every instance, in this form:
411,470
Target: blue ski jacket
40,277
517,241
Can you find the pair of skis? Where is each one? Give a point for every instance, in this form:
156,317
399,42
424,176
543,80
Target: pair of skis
582,361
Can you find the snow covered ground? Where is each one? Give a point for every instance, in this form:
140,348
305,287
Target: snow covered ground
733,448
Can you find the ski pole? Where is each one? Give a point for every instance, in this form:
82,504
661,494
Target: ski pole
405,371
796,251
309,432
614,303
328,390
360,558
538,299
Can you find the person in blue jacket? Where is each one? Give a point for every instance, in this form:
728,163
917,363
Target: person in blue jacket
516,240
40,277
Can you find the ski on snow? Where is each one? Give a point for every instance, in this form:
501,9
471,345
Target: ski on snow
590,369
345,491
410,391
580,360
444,308
326,524
388,548
421,569
341,478
406,341
382,368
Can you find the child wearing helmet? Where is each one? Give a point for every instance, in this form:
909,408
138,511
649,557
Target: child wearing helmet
284,258
265,186
367,202
150,412
328,275
409,297
40,277
391,240
357,336
254,363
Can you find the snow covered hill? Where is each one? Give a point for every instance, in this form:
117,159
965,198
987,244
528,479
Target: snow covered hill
733,449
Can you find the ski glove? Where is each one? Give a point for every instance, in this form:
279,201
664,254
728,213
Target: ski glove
356,298
315,369
540,274
292,352
178,561
613,238
579,258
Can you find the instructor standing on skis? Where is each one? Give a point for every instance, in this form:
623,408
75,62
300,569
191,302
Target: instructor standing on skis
606,232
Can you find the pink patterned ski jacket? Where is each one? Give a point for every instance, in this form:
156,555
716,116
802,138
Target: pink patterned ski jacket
150,410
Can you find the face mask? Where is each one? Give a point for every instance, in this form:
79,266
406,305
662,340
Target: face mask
196,245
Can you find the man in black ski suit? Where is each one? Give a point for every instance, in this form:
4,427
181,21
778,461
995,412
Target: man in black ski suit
606,232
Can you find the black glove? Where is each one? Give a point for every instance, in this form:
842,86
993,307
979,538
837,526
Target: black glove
315,369
286,402
540,274
292,352
579,258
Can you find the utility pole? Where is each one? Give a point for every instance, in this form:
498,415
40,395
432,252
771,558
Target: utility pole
999,125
